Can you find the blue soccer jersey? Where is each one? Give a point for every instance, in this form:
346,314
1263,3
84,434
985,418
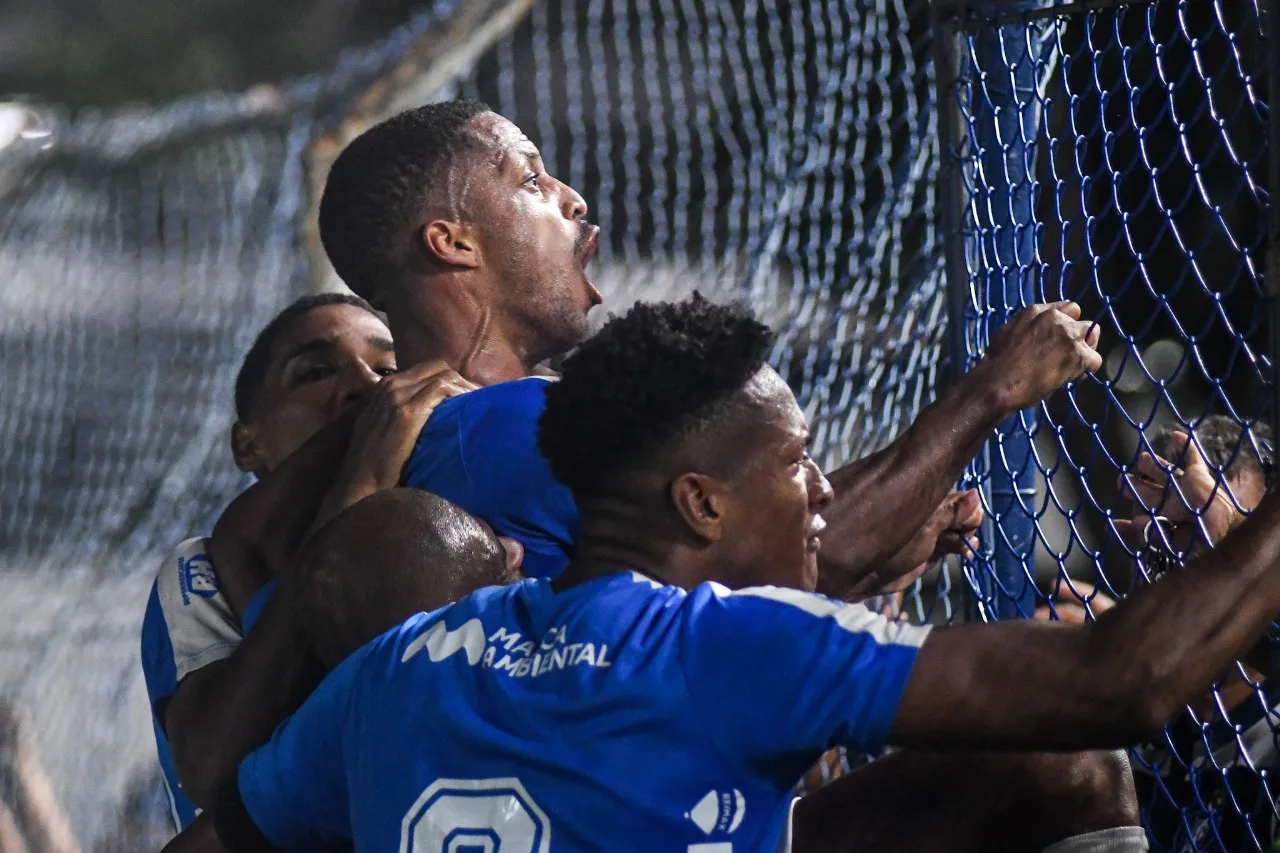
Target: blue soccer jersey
479,450
617,715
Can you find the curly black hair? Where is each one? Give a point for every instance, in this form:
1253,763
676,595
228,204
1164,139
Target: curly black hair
647,378
378,186
253,370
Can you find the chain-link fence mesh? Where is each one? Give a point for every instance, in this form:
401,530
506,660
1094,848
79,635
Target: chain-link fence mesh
782,153
1118,157
785,153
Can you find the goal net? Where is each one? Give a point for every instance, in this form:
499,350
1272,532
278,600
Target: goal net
786,154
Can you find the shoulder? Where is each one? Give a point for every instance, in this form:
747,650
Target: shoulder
509,402
506,413
745,610
187,617
187,573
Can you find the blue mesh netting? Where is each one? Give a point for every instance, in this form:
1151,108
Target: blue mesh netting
1118,158
785,153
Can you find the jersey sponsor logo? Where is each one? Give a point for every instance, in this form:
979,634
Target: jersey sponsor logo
197,577
719,811
440,642
508,651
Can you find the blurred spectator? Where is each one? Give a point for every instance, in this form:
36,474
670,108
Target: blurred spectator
31,820
1189,494
144,822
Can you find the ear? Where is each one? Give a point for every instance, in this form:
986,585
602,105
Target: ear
515,554
451,243
246,450
701,502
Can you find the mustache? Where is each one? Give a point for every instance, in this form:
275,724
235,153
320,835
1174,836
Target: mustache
585,229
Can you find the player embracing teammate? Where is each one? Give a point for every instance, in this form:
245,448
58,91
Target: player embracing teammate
445,218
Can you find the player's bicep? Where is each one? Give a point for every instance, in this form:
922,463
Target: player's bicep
787,673
1009,685
294,788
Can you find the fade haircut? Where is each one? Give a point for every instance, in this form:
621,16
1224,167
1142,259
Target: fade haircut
1226,446
396,553
253,370
648,378
380,184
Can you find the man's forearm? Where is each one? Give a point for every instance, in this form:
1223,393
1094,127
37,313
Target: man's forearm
1184,631
1109,683
262,527
223,711
882,500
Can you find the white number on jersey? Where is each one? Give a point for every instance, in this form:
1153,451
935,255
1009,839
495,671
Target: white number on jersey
489,815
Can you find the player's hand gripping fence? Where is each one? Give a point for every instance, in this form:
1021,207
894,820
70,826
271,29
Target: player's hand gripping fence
787,153
1116,155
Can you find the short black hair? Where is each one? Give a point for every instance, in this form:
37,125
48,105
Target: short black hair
646,378
379,185
1225,445
253,370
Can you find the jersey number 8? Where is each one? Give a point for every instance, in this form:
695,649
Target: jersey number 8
475,816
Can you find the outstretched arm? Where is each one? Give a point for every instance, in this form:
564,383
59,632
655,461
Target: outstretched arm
882,501
33,798
1110,683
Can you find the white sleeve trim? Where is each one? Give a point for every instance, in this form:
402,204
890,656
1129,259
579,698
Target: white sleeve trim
202,628
854,618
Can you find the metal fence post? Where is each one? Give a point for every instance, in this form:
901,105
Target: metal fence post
991,254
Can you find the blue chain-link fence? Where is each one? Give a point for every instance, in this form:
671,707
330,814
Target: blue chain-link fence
785,153
1117,156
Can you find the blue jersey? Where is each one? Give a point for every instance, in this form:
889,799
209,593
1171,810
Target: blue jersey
479,451
617,715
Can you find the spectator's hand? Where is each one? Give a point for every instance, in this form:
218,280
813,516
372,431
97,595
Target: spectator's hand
1072,603
1181,495
387,429
950,530
1039,350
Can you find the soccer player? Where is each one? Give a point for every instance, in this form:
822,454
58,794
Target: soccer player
669,688
214,697
445,217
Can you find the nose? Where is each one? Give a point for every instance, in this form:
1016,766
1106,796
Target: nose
356,384
572,205
820,492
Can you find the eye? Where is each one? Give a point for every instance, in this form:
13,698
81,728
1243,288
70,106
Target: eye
532,180
314,373
391,370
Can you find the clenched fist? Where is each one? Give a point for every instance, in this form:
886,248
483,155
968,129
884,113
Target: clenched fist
1042,348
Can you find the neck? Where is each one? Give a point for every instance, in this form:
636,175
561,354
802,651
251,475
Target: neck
619,538
453,326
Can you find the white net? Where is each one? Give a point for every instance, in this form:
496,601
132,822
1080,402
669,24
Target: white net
781,152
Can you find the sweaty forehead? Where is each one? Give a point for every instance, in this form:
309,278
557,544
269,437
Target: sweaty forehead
504,140
769,393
